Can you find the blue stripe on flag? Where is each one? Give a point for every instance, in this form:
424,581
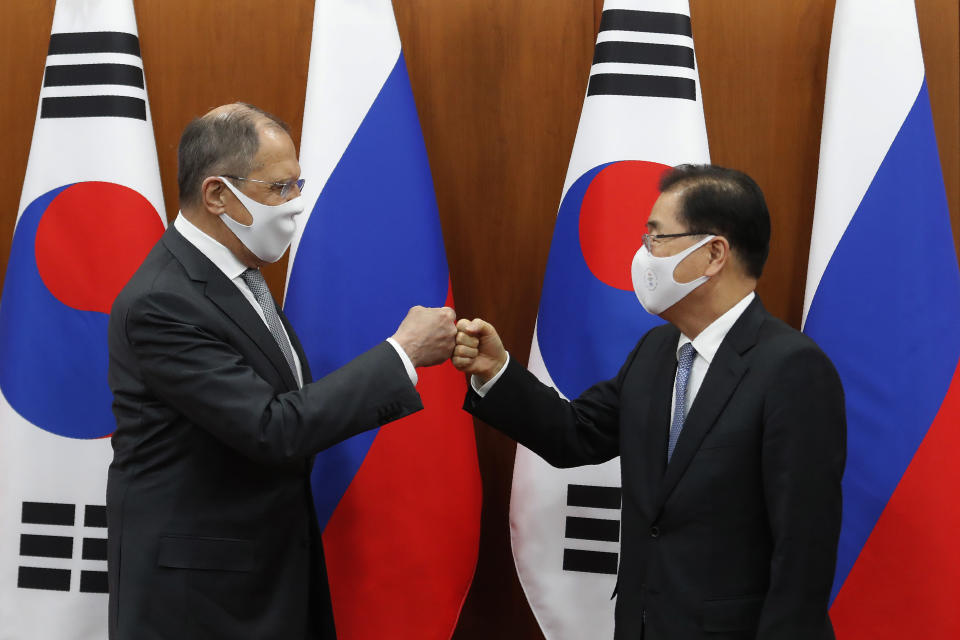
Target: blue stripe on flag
371,249
886,312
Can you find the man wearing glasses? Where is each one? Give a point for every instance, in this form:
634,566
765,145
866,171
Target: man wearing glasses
211,529
729,425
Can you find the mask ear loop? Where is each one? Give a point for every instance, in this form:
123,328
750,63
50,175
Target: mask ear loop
241,197
680,257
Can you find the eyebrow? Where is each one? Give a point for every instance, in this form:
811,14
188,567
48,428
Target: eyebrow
652,225
285,178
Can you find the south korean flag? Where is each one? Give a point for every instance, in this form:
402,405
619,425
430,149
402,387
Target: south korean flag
642,114
90,210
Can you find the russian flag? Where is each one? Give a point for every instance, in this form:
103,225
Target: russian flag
883,300
399,507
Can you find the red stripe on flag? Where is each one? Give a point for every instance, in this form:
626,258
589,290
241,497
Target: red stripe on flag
903,584
401,546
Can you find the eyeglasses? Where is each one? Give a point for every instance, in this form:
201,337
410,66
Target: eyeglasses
650,238
285,187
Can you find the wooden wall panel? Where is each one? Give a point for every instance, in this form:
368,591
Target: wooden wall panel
24,36
198,55
499,87
939,22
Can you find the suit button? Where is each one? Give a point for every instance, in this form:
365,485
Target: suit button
654,531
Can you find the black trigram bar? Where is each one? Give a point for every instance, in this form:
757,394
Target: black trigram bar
589,561
95,515
600,529
621,84
93,581
48,579
94,42
94,107
647,21
46,546
67,75
48,513
673,55
585,495
94,548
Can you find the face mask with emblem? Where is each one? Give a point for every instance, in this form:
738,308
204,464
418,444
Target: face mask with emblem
653,280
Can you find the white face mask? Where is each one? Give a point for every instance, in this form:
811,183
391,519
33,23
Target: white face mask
653,280
272,229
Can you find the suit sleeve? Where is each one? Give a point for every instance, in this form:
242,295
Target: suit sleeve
564,433
208,381
803,457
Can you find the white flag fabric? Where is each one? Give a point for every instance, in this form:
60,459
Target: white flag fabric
90,209
642,114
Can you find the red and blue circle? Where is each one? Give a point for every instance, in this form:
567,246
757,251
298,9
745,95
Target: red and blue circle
589,318
73,250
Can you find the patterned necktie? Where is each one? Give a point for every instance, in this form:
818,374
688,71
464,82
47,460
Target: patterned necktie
258,286
684,363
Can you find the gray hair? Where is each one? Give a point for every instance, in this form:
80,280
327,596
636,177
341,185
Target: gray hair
220,143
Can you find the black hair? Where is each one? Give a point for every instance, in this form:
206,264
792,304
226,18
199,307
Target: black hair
723,202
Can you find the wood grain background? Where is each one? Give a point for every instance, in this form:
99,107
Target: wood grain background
499,87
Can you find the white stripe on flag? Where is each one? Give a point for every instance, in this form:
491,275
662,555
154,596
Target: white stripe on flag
365,33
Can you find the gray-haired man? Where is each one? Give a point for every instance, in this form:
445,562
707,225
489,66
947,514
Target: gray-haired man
210,519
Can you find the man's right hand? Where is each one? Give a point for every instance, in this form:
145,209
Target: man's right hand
479,350
427,335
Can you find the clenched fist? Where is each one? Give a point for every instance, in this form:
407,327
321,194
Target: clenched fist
427,335
479,350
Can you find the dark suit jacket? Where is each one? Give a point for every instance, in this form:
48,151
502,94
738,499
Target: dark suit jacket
211,527
737,536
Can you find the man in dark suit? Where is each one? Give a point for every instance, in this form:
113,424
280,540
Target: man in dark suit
211,527
729,425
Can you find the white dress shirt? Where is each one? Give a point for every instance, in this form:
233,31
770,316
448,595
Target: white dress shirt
231,267
705,345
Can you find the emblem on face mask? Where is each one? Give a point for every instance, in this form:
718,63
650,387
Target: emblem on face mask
650,279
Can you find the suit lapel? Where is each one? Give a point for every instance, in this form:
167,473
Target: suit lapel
658,419
723,377
228,298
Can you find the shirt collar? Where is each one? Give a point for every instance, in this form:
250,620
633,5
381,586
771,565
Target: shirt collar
218,254
708,341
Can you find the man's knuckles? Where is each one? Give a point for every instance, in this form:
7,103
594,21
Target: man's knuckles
466,339
465,351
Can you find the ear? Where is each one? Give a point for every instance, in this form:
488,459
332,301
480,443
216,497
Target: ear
718,255
212,192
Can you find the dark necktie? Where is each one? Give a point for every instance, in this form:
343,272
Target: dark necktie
684,363
258,286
